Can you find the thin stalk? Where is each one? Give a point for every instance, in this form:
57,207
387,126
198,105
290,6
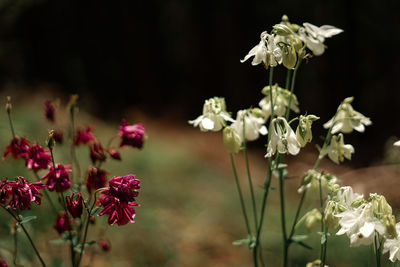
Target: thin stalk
253,199
77,174
240,195
283,216
15,237
11,124
288,76
322,224
296,217
26,233
292,88
271,75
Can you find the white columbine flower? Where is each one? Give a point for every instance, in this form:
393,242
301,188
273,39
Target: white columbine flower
337,150
254,125
282,139
393,246
346,196
214,115
281,98
347,119
314,36
360,225
266,51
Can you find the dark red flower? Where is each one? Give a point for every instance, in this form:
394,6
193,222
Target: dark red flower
58,136
18,147
118,199
132,135
59,179
37,158
75,204
96,179
2,263
5,191
61,223
114,153
49,110
23,193
84,136
104,244
97,152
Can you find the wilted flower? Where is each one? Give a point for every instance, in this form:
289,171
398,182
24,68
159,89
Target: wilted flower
61,223
266,51
104,244
231,140
214,115
303,131
97,152
114,153
84,136
96,179
337,150
118,199
347,119
281,98
360,225
75,204
49,110
58,180
314,36
23,193
37,158
282,139
132,135
392,245
253,124
18,147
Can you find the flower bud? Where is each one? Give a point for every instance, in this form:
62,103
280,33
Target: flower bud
380,206
8,104
348,100
358,202
331,209
312,219
105,245
303,131
289,57
390,226
75,204
281,29
50,140
231,140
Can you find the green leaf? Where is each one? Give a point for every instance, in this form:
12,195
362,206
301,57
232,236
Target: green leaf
26,219
240,242
304,245
78,248
298,238
57,242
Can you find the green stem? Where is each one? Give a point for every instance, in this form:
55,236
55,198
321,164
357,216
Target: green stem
26,233
240,195
271,75
15,252
292,88
11,124
296,217
288,76
283,216
75,162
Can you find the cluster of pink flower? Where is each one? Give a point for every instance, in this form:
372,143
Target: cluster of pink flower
117,200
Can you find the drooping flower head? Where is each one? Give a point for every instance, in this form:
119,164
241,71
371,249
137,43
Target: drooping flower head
114,153
97,152
58,179
253,123
282,139
132,135
49,110
347,119
231,140
75,204
314,36
281,98
37,158
96,179
23,193
118,199
104,244
84,136
61,223
18,147
266,52
337,150
303,131
214,115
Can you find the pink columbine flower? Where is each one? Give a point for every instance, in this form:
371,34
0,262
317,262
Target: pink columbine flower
118,199
104,244
49,110
132,135
5,191
61,224
37,158
58,180
23,193
96,179
75,204
114,153
84,136
97,152
18,147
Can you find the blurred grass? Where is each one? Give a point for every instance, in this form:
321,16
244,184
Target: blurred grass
189,213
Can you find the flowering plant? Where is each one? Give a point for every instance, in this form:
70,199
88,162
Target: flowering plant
77,206
364,221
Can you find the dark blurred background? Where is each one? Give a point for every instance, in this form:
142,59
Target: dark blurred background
166,57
